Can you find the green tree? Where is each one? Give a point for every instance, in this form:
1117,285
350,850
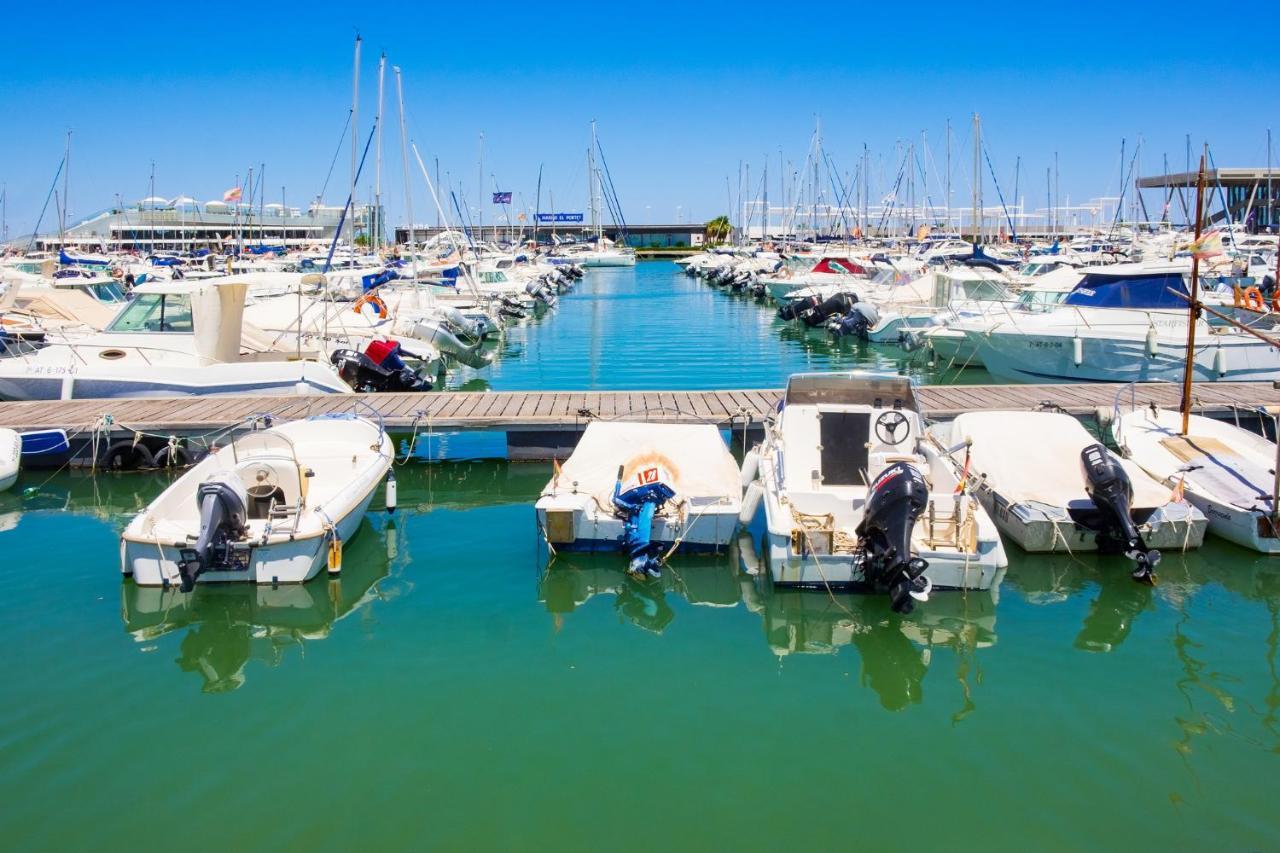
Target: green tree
718,229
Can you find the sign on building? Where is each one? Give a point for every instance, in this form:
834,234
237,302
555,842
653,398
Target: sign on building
559,217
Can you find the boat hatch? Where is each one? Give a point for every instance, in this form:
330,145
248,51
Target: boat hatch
844,437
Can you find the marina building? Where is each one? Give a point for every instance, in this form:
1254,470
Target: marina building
1248,197
158,224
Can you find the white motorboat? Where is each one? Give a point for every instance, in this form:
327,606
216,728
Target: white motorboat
1225,471
647,489
10,457
1050,487
172,339
271,507
855,497
1122,324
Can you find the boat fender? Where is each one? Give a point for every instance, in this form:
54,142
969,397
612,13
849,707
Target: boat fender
391,491
750,467
750,504
335,553
1077,350
124,455
1153,342
172,456
1220,360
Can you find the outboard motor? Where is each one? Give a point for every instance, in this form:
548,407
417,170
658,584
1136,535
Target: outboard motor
1111,491
895,501
792,309
379,368
638,505
840,303
223,504
860,319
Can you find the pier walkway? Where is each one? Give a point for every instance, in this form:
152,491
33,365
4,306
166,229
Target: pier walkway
532,419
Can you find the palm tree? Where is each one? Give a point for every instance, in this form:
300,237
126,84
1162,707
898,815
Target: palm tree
718,229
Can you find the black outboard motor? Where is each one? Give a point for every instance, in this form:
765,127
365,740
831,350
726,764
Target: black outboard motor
223,505
895,501
792,309
1111,491
840,303
363,373
858,321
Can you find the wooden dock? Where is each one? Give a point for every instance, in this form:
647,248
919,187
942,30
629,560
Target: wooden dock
543,423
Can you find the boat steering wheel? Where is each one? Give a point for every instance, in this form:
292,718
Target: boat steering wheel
888,426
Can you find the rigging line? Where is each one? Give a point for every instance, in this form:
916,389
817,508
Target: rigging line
1013,229
336,152
622,222
887,212
837,187
328,261
36,230
1226,211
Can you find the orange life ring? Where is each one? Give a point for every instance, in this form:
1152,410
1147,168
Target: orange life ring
370,299
1253,300
1275,300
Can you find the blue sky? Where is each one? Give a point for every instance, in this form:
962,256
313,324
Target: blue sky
681,93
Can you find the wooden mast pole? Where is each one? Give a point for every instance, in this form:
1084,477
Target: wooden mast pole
1193,306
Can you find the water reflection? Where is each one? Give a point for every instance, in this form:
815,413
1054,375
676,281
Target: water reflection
574,579
227,626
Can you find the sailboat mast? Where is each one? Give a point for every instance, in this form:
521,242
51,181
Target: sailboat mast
948,202
977,180
355,136
377,181
1193,307
66,177
480,188
404,157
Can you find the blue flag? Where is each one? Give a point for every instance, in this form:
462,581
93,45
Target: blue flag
502,198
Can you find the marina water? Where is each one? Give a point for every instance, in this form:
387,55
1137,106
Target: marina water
451,690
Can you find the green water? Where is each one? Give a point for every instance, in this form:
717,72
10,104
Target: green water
450,691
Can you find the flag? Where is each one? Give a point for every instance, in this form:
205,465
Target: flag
922,232
964,475
1208,246
1179,490
502,198
233,194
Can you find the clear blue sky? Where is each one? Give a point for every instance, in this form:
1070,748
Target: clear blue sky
681,94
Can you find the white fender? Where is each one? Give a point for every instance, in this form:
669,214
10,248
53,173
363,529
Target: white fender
750,503
750,467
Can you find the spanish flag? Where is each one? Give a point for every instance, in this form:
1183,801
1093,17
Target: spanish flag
233,194
1208,246
1179,491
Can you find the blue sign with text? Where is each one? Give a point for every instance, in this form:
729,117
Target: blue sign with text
559,217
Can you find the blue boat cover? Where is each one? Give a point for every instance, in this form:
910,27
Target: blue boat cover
1128,291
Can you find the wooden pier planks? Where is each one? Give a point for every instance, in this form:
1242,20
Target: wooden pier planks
542,410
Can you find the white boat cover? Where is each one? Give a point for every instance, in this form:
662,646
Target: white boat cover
1035,456
1226,462
694,456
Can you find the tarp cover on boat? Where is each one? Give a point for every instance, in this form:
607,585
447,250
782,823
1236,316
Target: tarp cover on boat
1035,456
694,455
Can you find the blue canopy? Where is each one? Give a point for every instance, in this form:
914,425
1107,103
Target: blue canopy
1128,291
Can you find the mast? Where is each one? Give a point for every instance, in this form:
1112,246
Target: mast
948,202
1056,196
1193,307
404,157
66,199
377,181
977,180
1271,216
355,138
480,189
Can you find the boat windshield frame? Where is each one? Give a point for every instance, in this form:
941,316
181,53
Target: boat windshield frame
851,389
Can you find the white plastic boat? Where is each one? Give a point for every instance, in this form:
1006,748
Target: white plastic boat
173,339
854,497
644,489
271,507
1025,468
10,457
1226,471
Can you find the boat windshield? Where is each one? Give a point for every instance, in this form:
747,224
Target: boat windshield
1040,300
107,291
155,312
